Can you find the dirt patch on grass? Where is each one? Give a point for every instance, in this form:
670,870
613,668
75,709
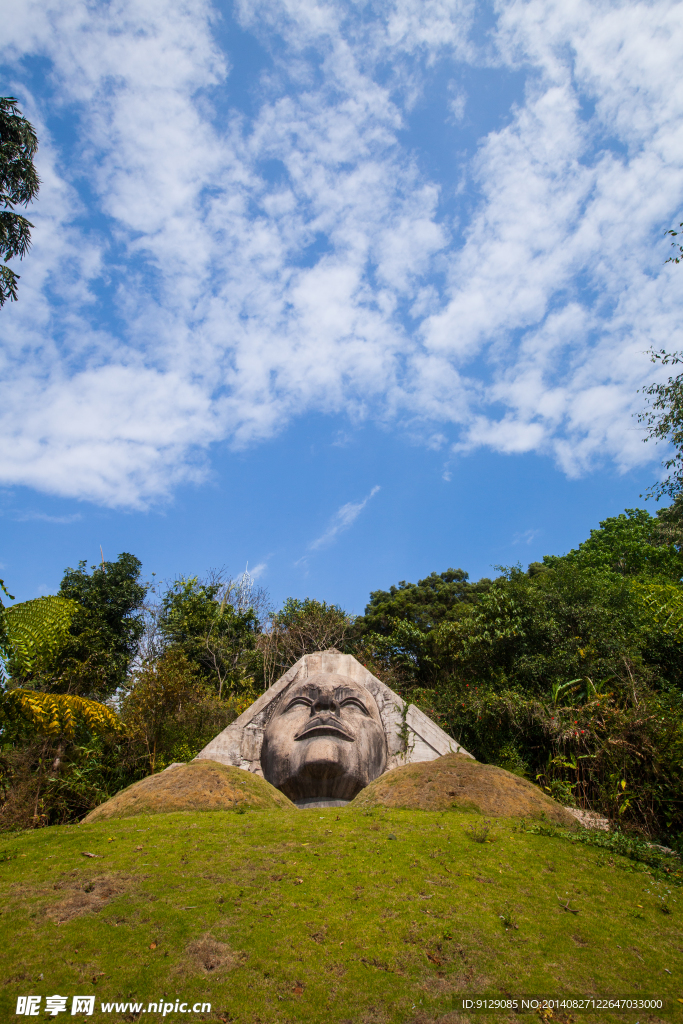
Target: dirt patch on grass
450,1018
87,896
197,786
209,956
458,782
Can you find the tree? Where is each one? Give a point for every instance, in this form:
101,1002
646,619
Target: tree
664,422
633,543
105,631
198,619
302,627
171,710
439,597
157,694
19,184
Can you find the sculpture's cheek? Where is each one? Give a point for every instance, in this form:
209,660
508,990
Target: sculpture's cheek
371,751
279,746
273,762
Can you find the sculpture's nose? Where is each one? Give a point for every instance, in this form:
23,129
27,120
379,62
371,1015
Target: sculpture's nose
325,702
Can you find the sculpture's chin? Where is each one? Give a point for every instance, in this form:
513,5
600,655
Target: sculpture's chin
322,780
324,771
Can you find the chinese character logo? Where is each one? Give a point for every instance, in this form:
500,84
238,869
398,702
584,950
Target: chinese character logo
55,1004
28,1006
83,1004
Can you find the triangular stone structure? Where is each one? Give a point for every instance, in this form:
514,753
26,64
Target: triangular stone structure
411,736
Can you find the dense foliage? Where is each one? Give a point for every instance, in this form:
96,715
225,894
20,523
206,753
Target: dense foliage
197,619
440,597
301,627
106,631
569,673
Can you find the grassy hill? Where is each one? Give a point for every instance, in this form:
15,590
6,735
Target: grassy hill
341,916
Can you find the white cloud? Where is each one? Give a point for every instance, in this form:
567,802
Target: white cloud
31,516
342,520
457,101
172,299
526,537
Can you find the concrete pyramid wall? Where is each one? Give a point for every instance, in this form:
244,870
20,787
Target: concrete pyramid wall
411,738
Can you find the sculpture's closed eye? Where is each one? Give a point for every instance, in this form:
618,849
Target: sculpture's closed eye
298,702
354,702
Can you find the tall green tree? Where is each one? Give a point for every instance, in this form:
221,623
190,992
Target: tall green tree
439,597
664,422
105,632
633,543
198,619
19,184
302,627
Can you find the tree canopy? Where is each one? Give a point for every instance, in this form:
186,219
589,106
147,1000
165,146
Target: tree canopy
19,184
302,627
633,543
105,631
198,619
664,422
439,597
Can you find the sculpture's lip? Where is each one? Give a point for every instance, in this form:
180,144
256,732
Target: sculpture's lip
324,727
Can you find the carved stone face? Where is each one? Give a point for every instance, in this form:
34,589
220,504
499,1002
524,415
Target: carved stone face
325,741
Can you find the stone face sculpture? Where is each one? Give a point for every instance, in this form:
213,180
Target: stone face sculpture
325,740
325,730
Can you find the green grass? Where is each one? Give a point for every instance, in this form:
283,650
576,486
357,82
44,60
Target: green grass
321,916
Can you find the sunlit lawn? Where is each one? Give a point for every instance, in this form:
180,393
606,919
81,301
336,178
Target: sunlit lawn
330,915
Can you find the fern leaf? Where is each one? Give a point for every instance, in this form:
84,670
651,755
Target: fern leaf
37,629
664,604
56,714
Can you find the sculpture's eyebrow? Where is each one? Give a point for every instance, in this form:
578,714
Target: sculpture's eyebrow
308,695
343,693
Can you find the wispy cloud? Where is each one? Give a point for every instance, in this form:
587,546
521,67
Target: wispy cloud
526,537
342,520
43,517
187,297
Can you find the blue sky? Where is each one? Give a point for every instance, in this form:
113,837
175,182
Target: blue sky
347,291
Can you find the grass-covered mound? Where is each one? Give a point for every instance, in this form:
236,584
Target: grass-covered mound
197,786
331,916
458,781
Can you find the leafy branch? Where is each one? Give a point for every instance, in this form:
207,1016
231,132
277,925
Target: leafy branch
19,184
